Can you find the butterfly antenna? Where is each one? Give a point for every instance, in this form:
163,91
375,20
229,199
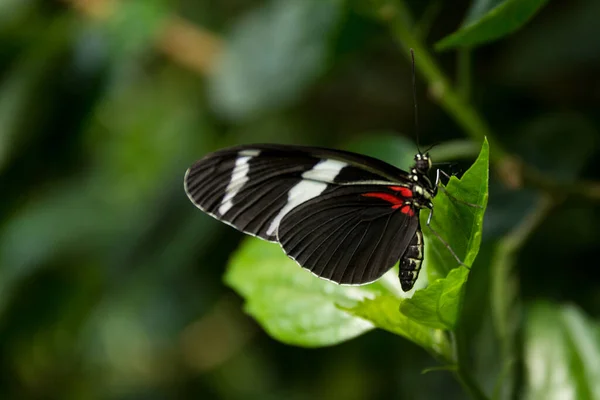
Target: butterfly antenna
414,87
432,146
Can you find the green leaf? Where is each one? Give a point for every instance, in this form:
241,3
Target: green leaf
292,304
562,354
383,313
478,9
460,225
438,305
500,21
297,308
272,55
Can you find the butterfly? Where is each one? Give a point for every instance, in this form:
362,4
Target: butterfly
345,217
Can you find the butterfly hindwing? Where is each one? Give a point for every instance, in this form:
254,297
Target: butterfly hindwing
351,234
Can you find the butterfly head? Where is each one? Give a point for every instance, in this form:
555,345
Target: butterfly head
422,162
422,186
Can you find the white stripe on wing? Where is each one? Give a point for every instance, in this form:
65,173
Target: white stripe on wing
312,185
239,177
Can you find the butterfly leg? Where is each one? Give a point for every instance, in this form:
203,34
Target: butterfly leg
443,188
443,241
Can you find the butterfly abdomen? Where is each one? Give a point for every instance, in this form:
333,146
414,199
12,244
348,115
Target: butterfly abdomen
410,263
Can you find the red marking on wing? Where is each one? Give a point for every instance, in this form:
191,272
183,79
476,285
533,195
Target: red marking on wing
395,201
387,197
407,210
404,192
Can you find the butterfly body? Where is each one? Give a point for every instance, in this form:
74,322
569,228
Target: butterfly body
345,217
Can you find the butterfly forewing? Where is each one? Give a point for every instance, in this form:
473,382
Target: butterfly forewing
253,187
243,189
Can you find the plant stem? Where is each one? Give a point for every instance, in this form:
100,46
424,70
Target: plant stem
395,14
511,170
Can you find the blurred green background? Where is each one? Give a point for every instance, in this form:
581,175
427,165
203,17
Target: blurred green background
111,280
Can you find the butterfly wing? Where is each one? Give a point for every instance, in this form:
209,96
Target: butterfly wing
341,215
254,187
351,234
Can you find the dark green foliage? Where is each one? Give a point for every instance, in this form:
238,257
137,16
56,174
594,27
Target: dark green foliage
111,282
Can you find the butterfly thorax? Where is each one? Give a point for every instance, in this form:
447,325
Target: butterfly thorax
421,186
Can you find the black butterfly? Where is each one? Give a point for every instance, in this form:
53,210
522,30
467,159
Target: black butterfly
343,216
